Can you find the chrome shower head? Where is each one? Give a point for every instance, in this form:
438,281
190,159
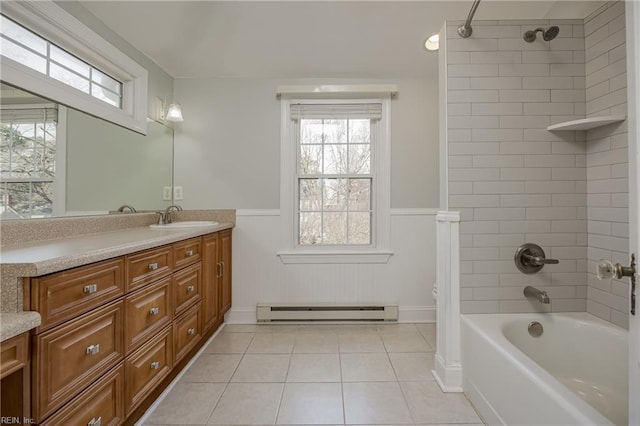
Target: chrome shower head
547,35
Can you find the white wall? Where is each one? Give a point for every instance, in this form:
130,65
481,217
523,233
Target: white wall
407,280
227,155
228,148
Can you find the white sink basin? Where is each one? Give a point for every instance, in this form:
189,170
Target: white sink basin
185,224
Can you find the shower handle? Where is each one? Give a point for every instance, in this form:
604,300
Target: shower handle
538,260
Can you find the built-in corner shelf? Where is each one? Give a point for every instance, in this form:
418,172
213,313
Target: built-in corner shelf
588,123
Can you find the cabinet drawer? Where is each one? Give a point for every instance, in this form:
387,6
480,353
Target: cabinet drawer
147,311
14,354
146,367
149,265
71,356
187,287
187,331
101,404
64,295
187,252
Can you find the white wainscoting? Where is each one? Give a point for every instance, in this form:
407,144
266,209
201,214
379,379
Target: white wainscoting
407,279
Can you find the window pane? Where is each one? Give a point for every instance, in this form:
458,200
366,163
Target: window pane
335,159
23,56
22,153
359,228
105,95
17,196
106,81
310,159
310,131
41,199
335,131
69,78
70,61
22,35
310,195
45,151
360,159
335,194
334,229
310,228
360,194
5,146
359,131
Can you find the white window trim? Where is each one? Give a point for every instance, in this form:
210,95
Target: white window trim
53,23
379,251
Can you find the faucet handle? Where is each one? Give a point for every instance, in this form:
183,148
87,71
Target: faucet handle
161,218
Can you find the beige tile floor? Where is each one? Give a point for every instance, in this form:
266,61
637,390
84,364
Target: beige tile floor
314,374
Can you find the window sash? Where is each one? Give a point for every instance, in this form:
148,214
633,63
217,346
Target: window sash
373,137
116,96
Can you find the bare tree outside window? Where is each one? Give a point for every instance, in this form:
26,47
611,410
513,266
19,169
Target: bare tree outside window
27,169
335,182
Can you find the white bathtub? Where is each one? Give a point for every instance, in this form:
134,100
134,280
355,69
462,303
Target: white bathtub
574,374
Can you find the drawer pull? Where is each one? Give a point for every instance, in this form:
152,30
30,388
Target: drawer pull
153,266
155,365
91,288
191,289
191,331
219,269
93,349
189,253
95,422
154,311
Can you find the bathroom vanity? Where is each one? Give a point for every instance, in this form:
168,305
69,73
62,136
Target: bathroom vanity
121,313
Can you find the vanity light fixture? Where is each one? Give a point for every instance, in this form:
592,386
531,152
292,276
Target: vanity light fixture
433,42
174,113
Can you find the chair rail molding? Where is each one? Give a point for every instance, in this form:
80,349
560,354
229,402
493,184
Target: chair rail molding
447,367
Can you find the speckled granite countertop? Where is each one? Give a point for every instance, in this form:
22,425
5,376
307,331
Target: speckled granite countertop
45,257
12,324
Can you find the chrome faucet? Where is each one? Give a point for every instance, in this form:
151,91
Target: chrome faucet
126,206
533,293
168,210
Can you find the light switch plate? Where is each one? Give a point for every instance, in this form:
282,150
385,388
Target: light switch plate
178,193
166,193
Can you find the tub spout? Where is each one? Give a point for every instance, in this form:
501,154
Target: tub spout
539,295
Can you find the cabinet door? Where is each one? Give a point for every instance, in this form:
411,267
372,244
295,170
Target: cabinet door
225,274
146,311
71,356
186,287
146,367
210,286
101,404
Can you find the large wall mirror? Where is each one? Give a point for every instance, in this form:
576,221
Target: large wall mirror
57,161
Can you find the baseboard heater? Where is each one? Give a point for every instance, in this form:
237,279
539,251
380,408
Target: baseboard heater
326,312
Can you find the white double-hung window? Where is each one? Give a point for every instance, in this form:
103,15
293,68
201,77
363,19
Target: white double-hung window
335,180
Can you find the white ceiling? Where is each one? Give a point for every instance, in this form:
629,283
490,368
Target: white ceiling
300,39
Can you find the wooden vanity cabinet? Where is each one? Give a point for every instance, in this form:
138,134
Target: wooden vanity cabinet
15,387
216,278
116,332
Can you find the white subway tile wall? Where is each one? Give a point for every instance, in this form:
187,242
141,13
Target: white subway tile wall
606,161
516,182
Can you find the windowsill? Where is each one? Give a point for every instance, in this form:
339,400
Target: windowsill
302,257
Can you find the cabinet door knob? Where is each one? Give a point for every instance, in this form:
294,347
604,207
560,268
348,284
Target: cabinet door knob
153,266
219,269
95,422
154,311
189,253
191,289
93,349
155,365
91,288
191,331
